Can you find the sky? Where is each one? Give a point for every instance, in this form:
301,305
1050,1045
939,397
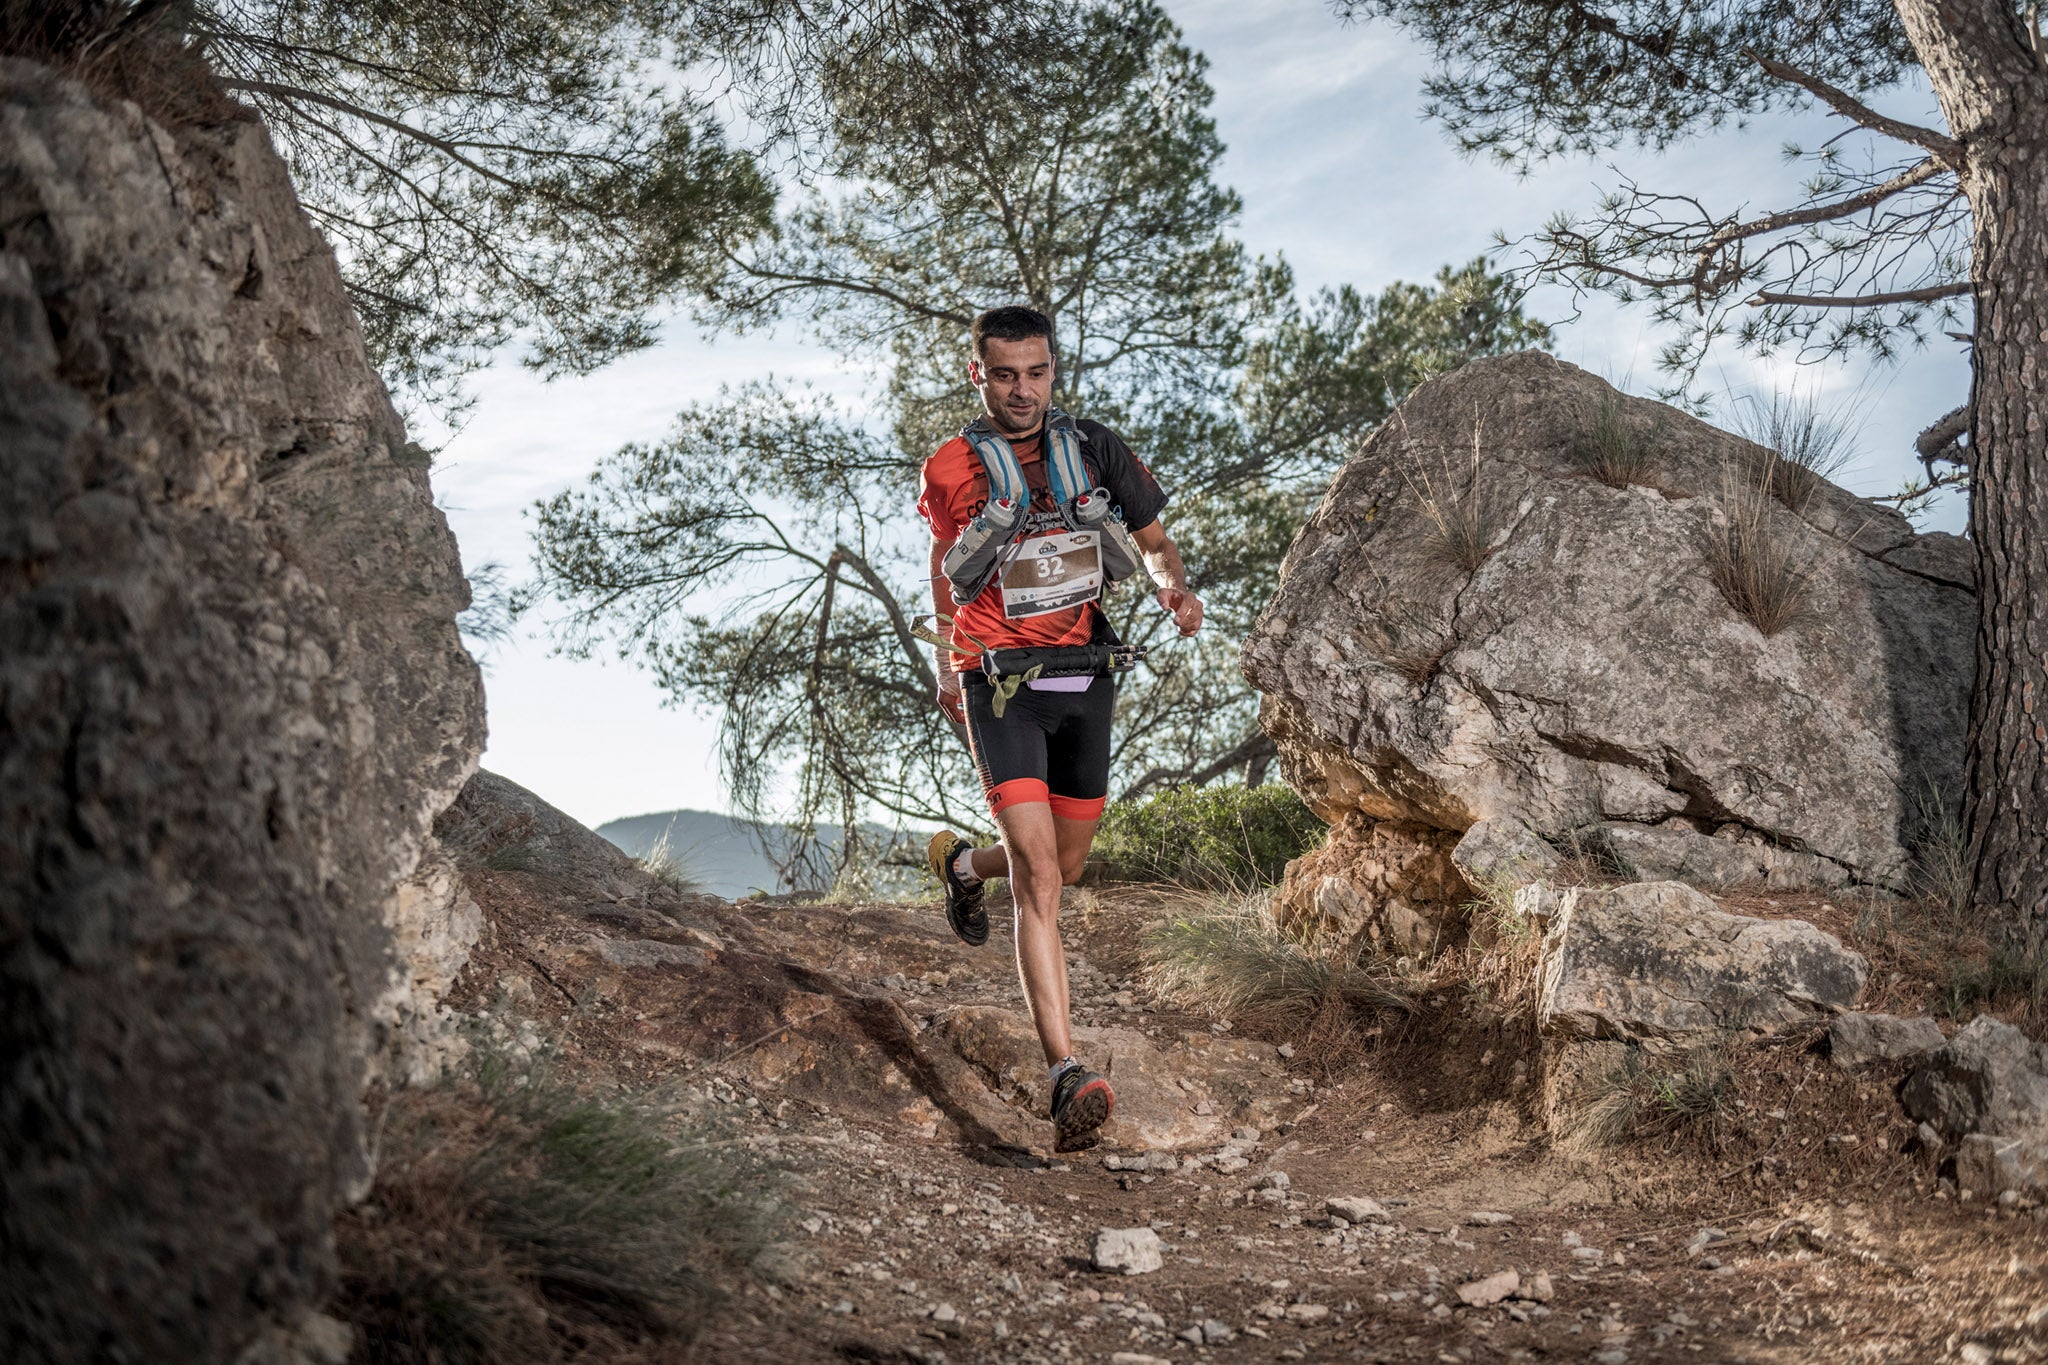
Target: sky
1338,172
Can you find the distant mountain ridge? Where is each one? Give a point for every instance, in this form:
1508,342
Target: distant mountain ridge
727,855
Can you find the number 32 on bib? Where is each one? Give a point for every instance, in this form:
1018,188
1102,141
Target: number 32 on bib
1053,573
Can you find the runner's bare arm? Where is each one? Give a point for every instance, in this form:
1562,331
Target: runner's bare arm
942,603
1162,561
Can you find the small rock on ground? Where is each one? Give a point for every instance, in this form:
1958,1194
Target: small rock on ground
1128,1251
1491,1290
1355,1209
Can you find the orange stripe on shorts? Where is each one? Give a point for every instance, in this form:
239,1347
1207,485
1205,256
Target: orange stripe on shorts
1018,791
1078,807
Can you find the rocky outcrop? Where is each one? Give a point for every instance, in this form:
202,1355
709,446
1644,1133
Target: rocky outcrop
1660,964
1589,673
871,1012
233,700
1990,1078
1391,884
1986,1092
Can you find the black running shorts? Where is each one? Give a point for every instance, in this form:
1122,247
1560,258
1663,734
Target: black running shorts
1051,747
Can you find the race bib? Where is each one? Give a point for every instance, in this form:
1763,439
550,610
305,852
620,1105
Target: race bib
1053,573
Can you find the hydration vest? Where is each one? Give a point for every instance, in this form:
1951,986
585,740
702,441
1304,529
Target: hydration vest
987,543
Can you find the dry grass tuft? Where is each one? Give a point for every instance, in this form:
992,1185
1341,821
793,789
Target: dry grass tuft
667,866
1223,956
1612,450
1809,444
120,52
1645,1095
1464,518
515,1220
1755,556
1942,867
1411,641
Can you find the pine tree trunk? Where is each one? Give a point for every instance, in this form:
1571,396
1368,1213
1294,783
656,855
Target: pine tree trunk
2007,768
1994,92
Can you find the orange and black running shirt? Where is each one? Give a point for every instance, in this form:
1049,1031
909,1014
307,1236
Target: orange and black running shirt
952,490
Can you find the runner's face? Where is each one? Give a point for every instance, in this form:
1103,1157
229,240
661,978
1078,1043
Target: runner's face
1015,381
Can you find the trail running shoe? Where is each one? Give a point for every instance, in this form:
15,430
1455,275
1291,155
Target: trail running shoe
1081,1103
963,902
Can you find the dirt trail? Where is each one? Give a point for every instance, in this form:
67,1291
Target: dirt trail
888,1073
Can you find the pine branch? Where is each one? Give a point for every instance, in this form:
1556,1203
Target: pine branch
1929,294
1943,147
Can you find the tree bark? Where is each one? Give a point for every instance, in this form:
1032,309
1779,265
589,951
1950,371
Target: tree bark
1994,93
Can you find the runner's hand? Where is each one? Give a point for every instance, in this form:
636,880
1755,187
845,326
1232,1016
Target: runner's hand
949,698
1185,606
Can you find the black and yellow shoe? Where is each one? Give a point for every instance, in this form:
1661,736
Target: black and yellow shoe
1081,1103
963,902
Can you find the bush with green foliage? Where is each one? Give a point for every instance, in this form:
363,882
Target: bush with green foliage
1221,836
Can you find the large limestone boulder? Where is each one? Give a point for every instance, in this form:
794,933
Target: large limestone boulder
1659,964
1589,674
233,700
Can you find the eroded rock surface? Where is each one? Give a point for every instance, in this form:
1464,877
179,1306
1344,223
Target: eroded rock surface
1990,1078
1391,883
1660,963
1856,1040
233,699
1589,671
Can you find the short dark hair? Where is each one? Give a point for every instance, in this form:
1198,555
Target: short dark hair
1014,322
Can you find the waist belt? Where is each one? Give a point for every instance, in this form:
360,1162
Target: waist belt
1009,669
1060,661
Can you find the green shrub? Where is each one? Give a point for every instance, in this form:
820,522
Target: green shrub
512,1214
1223,836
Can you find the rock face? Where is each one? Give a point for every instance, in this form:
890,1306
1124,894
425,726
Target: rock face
1503,850
1989,1079
1391,882
1589,672
1987,1092
233,699
1856,1040
1659,963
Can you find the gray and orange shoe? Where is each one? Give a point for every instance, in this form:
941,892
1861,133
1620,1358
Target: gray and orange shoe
963,902
1081,1103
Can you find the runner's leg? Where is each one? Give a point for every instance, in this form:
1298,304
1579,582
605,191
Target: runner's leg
1034,869
990,862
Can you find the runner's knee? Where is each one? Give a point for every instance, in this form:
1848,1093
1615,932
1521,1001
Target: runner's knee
1031,871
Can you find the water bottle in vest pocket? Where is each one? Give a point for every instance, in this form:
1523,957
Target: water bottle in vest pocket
1120,554
971,562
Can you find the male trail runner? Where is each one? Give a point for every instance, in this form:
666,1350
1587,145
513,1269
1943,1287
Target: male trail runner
1043,750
